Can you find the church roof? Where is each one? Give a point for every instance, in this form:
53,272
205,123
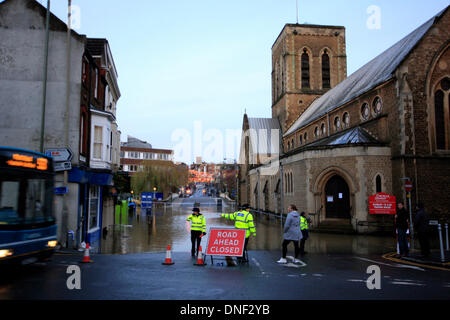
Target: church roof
372,74
353,136
260,131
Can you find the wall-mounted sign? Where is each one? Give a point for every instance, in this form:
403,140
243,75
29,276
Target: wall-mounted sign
382,203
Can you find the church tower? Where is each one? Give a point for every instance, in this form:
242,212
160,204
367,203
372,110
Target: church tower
307,61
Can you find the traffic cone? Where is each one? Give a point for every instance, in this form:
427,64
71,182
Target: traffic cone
168,260
86,257
200,261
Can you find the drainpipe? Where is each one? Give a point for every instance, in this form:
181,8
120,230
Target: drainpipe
66,119
44,90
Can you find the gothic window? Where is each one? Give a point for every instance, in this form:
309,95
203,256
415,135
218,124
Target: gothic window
323,129
289,146
346,119
378,184
292,143
291,189
301,139
305,137
326,84
337,124
305,69
365,111
377,106
316,132
439,116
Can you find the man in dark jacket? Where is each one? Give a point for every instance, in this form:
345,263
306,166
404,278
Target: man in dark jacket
421,226
401,224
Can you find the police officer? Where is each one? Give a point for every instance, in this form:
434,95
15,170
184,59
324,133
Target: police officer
198,229
305,232
243,220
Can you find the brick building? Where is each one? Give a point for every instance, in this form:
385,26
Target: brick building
346,138
134,152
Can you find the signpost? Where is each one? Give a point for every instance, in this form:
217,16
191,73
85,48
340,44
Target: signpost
60,190
146,201
408,188
382,203
226,242
61,158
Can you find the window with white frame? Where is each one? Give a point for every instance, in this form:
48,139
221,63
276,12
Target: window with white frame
98,142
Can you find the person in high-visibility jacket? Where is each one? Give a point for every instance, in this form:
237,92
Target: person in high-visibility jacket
198,229
305,231
243,219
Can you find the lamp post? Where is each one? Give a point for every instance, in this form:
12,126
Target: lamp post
154,193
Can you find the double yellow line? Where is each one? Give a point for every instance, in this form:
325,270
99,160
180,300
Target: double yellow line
390,257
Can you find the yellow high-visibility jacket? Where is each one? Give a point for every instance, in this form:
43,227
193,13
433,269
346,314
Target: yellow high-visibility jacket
303,223
198,223
242,220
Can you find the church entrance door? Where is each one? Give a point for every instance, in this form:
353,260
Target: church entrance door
337,198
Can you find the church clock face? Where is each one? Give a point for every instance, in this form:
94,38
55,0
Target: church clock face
365,111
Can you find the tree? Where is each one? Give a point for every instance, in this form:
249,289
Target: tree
165,176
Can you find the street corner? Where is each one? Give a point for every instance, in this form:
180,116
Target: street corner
434,261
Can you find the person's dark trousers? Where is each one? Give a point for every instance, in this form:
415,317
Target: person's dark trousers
285,244
402,241
305,234
245,256
195,238
424,243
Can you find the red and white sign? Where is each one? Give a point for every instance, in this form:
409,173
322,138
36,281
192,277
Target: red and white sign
226,242
382,203
408,186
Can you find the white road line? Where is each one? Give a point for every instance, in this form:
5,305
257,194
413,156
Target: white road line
356,280
391,265
259,266
408,283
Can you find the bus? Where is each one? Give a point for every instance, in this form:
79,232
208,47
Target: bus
27,223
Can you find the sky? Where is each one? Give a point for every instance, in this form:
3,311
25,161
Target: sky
188,70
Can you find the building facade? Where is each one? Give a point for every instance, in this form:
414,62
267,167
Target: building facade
134,152
347,138
22,30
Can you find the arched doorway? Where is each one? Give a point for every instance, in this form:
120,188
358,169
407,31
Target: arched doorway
337,198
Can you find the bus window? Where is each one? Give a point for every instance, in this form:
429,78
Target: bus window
35,199
9,201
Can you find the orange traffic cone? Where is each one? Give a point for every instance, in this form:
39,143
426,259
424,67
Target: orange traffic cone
168,260
86,257
200,261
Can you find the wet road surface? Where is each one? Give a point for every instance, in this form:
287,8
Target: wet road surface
334,268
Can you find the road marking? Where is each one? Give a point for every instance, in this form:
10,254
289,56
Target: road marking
408,283
291,264
389,256
356,280
259,266
391,265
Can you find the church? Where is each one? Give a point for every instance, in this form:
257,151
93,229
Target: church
334,140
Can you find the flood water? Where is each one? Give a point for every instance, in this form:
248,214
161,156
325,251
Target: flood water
154,232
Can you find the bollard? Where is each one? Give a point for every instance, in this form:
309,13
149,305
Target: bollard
446,236
441,244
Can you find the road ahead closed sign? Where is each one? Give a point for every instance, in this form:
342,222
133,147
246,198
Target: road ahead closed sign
226,242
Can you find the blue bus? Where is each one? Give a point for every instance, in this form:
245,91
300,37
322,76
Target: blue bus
27,223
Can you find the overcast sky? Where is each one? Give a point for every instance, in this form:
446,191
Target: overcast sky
180,61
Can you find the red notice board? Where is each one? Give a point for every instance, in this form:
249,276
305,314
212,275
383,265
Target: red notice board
226,242
382,203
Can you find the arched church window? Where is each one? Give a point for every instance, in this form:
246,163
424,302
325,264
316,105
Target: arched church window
439,116
378,184
365,111
316,132
323,129
326,84
346,119
305,69
377,106
337,123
